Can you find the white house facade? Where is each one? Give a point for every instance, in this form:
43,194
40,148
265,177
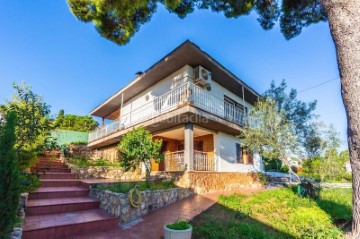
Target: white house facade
191,102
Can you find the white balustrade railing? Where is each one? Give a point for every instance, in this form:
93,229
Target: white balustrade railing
174,161
188,92
203,161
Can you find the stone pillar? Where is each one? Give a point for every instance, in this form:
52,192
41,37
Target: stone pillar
188,146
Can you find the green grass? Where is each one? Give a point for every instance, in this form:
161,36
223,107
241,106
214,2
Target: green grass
124,187
180,225
278,213
85,162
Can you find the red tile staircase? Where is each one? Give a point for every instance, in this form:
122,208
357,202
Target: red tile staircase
61,208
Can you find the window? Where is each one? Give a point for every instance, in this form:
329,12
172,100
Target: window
198,145
239,154
248,156
229,106
233,111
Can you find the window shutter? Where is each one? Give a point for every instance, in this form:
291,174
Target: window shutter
239,154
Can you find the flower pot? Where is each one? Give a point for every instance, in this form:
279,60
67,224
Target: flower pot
177,234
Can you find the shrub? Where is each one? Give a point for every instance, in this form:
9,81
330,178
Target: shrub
79,143
9,176
263,178
75,122
180,225
329,168
29,182
26,159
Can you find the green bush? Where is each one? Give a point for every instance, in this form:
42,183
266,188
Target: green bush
180,225
79,143
9,176
29,182
328,169
26,159
263,178
274,165
76,122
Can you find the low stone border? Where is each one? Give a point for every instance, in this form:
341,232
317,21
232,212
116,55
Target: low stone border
118,204
336,185
17,231
321,185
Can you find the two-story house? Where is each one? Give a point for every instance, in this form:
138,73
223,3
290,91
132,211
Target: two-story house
190,101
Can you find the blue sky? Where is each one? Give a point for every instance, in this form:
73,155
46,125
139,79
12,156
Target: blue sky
74,68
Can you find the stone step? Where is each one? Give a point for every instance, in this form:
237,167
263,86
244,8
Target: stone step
45,160
59,182
47,206
57,225
59,192
45,170
50,165
56,175
40,166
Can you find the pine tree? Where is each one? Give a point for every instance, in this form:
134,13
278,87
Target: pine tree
9,176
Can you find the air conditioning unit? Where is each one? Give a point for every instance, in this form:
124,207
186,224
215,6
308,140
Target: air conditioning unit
202,76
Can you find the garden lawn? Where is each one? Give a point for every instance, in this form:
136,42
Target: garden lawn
277,213
125,187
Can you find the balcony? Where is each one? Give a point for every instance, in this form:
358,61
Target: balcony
187,93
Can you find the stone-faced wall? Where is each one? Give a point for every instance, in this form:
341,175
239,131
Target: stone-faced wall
17,231
203,182
81,151
109,153
104,172
118,204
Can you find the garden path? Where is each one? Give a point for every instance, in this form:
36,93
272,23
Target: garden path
151,226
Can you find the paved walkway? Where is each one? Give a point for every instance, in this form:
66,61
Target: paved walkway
151,226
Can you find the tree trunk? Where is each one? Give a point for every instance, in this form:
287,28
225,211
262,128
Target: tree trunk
344,21
147,173
291,172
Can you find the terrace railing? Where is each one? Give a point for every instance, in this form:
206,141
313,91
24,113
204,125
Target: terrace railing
186,93
174,161
203,161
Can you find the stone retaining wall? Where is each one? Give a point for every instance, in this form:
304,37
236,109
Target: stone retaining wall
17,231
101,172
118,204
203,182
200,182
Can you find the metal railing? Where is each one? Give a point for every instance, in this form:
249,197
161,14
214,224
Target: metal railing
174,161
203,161
176,97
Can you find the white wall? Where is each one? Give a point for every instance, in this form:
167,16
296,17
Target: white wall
176,79
220,92
225,151
181,76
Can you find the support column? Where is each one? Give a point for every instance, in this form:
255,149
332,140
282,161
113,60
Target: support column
189,146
